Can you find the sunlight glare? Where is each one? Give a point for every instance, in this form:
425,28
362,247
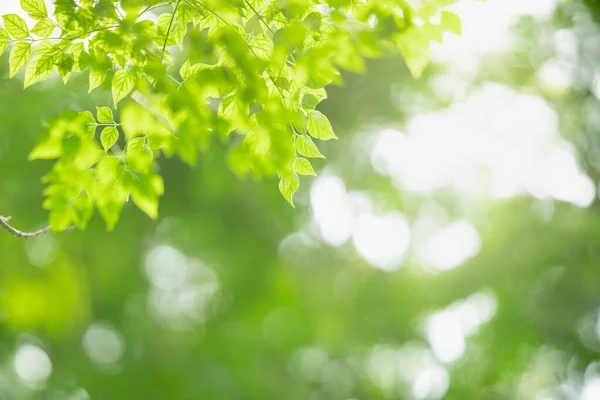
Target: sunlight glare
382,240
103,344
32,364
332,209
452,246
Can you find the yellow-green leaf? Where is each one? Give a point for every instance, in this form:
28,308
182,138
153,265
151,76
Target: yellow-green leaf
34,6
38,69
450,22
306,147
136,144
19,56
49,147
43,28
4,40
122,84
16,26
109,137
64,66
288,187
105,115
303,167
4,36
319,126
186,70
145,194
96,78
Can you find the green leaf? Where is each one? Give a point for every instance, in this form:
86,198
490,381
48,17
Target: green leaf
319,126
306,147
16,26
258,142
39,69
96,78
136,145
450,22
82,211
109,137
34,6
107,169
4,40
90,123
105,115
303,167
87,154
80,57
110,207
64,66
288,187
4,36
122,84
19,56
186,70
49,147
43,28
136,120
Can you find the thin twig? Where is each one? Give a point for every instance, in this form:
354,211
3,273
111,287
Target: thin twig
25,235
169,30
260,17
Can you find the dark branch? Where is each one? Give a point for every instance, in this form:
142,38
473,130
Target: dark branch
25,235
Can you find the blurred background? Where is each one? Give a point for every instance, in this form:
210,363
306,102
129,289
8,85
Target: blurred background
448,249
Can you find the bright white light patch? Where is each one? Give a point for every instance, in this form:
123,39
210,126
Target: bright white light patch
591,390
103,344
431,382
332,209
555,76
382,240
412,366
451,246
448,329
182,288
166,267
446,337
32,364
486,27
496,142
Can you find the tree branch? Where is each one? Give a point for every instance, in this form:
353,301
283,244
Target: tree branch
25,235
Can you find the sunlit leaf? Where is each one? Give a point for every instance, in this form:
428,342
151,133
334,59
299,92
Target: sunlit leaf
96,78
16,26
122,84
450,22
4,41
303,167
109,137
319,126
34,7
43,28
289,186
38,69
306,147
104,115
19,56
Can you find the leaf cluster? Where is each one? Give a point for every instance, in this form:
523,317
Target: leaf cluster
251,74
